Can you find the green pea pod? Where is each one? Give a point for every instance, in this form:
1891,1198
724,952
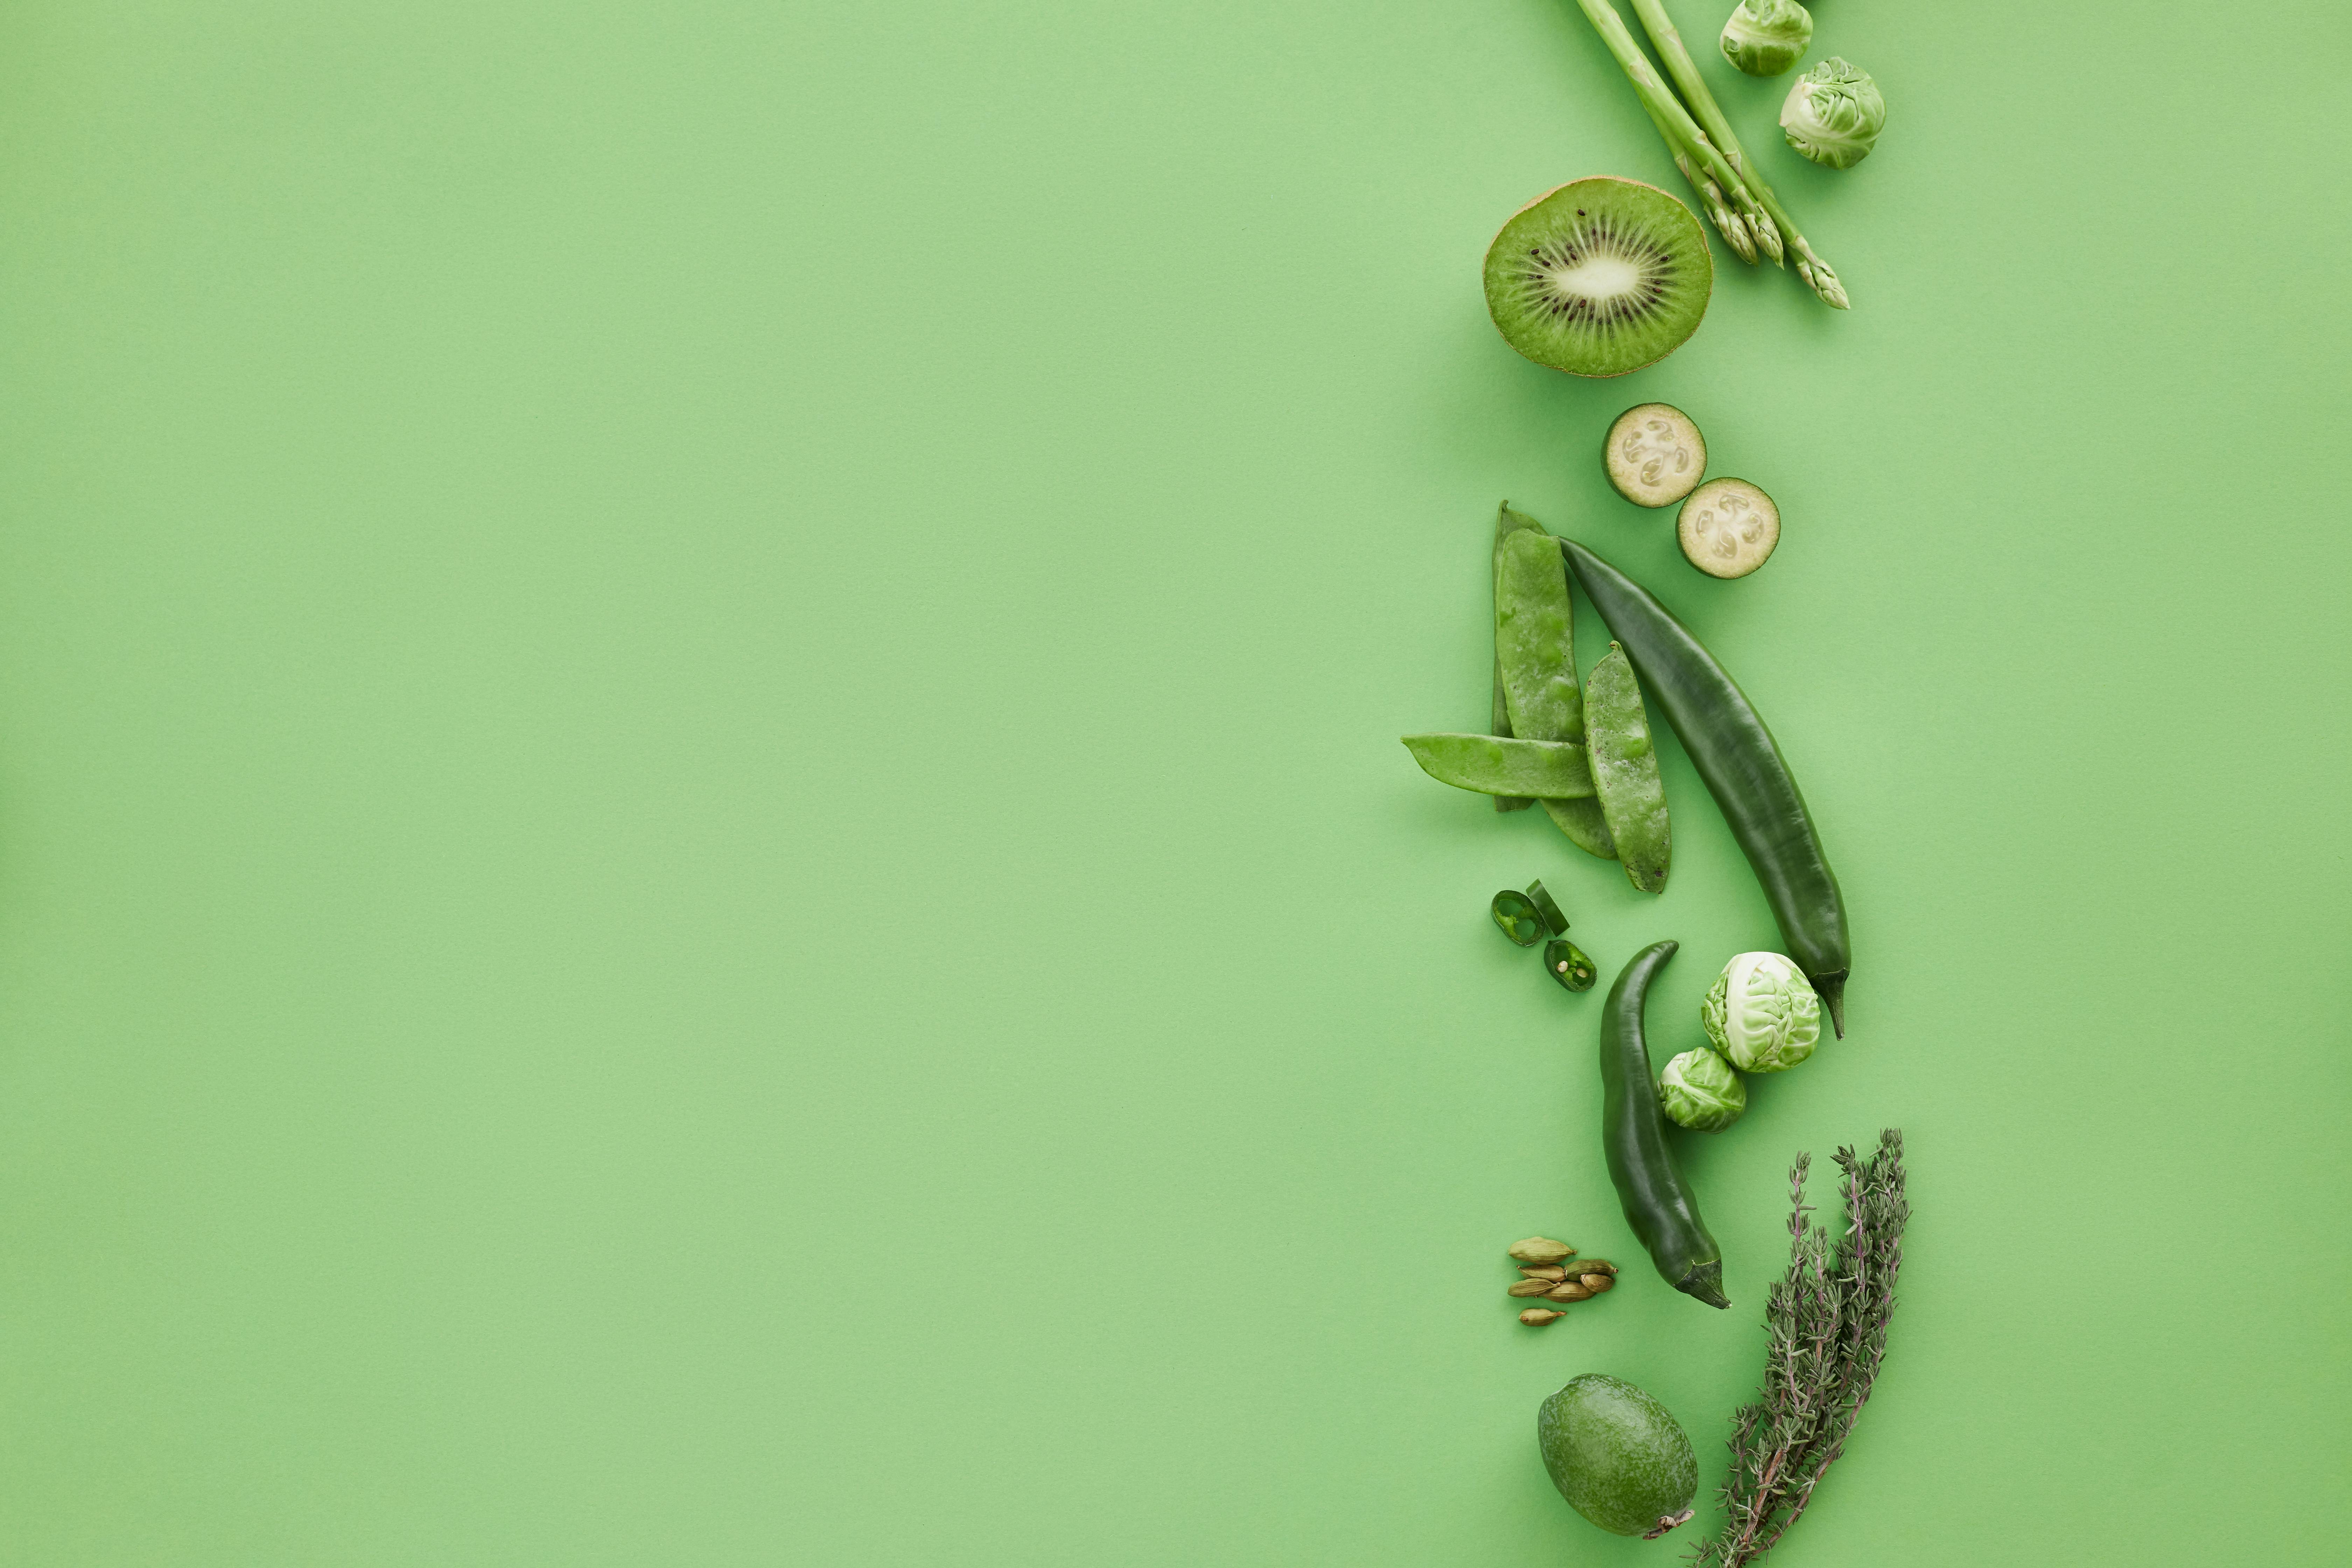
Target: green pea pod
1507,522
1649,1180
1535,649
1735,753
1493,765
1625,765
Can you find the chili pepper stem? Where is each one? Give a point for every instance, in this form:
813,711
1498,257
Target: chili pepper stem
1705,1283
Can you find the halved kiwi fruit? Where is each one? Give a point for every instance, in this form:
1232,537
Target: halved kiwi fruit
1654,455
1599,276
1727,528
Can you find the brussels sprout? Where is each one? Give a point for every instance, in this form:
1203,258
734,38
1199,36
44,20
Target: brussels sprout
1765,38
1833,114
1763,1013
1700,1090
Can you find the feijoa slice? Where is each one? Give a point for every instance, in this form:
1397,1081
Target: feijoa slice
1727,528
1599,276
1654,455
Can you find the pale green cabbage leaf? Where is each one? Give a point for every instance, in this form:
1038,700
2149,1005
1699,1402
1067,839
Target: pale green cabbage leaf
1763,1013
1765,38
1833,114
1700,1090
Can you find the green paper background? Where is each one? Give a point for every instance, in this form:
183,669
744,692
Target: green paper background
702,855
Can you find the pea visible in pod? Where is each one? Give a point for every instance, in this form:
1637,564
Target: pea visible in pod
1535,655
1743,768
1507,522
1657,1200
1493,765
1625,772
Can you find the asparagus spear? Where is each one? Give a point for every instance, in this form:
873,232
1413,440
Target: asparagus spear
1679,65
1670,115
1729,224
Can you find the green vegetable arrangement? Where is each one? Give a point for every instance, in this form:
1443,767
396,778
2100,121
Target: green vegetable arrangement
1730,186
1588,758
1826,1322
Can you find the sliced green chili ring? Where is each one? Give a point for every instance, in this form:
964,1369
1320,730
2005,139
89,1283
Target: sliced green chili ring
1650,1186
1565,961
1546,906
1515,913
1625,772
1742,765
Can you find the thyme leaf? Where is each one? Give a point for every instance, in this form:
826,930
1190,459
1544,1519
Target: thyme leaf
1825,1337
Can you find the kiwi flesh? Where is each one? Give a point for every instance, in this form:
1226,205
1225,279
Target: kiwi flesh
1654,455
1599,276
1727,528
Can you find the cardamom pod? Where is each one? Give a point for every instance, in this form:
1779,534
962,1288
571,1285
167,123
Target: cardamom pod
1541,1250
1532,1288
1555,1273
1537,1317
1597,1283
1571,1291
1595,1265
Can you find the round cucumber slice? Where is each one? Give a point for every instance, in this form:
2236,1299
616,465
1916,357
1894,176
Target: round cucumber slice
1654,455
1728,528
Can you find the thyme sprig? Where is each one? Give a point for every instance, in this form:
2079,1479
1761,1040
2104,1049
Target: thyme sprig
1825,1324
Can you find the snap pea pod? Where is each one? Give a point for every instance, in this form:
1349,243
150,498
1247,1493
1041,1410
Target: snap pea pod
1737,757
1493,765
1535,648
1624,763
1657,1200
1507,522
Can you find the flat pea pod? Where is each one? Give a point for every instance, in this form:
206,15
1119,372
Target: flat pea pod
1493,765
1649,1180
1507,522
1535,649
1624,763
1742,765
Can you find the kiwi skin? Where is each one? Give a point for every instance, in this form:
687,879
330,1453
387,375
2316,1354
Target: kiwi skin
1702,254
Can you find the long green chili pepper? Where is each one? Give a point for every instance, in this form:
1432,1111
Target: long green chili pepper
1658,1201
1735,753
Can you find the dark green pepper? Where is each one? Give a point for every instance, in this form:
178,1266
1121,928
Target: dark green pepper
1735,753
1658,1201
